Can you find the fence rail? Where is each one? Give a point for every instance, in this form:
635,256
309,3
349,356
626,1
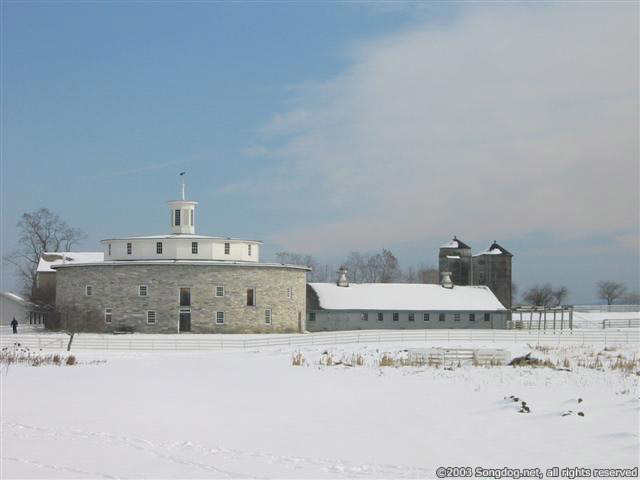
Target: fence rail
228,342
621,323
606,308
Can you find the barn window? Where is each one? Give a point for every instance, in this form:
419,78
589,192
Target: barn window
251,297
158,248
185,297
109,247
192,218
249,249
227,248
194,247
151,317
220,291
108,315
487,317
142,290
129,248
380,316
289,292
267,316
88,290
219,318
472,317
396,316
456,317
177,218
365,317
412,317
312,316
425,317
441,317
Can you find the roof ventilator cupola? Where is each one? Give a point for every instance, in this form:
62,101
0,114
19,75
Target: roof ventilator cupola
446,281
342,277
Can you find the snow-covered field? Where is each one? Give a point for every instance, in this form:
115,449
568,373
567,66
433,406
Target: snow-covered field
254,414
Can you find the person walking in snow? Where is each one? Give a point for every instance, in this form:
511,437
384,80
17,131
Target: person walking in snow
14,325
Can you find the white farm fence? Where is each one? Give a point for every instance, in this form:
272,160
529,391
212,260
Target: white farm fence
184,342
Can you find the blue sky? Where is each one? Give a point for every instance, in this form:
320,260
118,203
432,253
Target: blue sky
324,128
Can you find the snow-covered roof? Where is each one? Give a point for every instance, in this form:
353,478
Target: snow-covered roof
14,297
182,235
405,296
50,259
455,243
494,249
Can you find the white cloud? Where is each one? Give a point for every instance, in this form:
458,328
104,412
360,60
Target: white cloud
506,120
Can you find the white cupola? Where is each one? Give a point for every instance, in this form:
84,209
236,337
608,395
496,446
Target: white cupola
183,215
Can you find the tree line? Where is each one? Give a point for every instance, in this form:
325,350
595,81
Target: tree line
43,231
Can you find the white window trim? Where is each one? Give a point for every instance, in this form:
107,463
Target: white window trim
108,312
227,248
129,248
146,289
223,318
155,317
216,291
88,290
269,316
289,292
194,246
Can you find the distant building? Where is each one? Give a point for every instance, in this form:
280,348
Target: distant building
26,313
493,268
46,273
455,257
344,306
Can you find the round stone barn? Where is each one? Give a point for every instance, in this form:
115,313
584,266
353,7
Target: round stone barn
183,282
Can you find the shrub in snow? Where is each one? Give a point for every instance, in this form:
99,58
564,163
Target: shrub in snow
297,360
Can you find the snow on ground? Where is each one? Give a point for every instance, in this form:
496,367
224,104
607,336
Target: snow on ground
253,414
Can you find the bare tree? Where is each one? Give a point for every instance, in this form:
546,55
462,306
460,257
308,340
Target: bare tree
631,298
40,231
560,294
610,291
71,319
318,273
539,295
428,274
377,268
545,295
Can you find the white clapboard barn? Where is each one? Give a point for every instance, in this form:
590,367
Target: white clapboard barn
26,313
345,306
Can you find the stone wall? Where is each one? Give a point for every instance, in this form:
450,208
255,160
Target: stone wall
115,286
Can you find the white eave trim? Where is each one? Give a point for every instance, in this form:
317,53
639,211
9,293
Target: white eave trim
228,263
